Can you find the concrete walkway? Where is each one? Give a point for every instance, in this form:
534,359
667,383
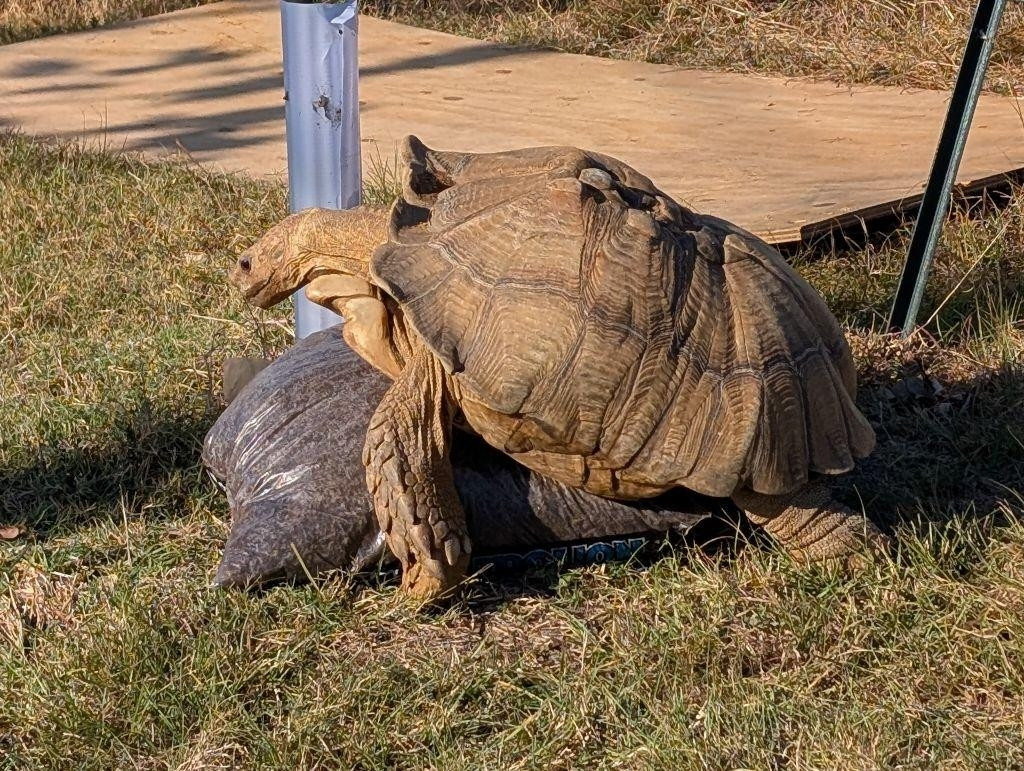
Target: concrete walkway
779,157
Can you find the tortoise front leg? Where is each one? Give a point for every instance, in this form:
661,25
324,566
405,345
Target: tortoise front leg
813,527
366,329
409,475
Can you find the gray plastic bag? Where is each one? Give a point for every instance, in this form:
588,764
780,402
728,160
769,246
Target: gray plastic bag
288,452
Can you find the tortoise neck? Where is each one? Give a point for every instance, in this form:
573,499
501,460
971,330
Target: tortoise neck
342,241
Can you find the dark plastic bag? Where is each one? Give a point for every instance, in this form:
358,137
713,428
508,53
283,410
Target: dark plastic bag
288,451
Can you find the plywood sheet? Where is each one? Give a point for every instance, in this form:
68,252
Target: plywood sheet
776,156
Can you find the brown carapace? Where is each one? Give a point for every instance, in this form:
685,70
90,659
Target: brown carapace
557,303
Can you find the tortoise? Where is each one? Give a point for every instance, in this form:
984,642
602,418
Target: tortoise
554,301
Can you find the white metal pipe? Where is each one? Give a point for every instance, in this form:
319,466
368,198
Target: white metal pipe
321,83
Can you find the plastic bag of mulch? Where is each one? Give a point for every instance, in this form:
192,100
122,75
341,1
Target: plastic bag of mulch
288,452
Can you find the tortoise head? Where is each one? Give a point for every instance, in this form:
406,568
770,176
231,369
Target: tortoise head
306,245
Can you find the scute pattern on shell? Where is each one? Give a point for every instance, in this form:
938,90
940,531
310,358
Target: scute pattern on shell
593,316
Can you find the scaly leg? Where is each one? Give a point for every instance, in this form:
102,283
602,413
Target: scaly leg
409,475
813,527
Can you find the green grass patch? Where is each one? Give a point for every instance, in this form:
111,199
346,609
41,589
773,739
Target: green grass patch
114,316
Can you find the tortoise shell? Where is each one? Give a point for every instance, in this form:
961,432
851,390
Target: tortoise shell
587,318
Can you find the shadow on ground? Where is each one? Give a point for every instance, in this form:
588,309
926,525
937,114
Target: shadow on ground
947,445
228,75
146,458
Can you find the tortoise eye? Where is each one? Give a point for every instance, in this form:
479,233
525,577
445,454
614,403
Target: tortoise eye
244,264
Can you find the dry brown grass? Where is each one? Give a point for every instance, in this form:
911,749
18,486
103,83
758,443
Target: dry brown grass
885,42
24,19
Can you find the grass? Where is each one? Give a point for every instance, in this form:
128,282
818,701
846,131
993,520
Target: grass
115,653
885,42
25,19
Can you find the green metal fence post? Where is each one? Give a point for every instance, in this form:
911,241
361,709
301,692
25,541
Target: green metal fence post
935,203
